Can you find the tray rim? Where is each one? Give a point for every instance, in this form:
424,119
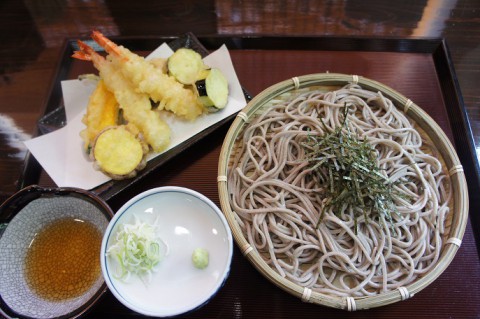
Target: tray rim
436,47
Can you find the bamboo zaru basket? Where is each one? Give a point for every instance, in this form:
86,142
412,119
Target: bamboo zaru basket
459,204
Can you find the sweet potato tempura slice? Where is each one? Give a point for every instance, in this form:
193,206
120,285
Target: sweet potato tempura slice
119,152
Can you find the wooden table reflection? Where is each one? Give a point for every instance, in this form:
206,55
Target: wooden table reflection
33,33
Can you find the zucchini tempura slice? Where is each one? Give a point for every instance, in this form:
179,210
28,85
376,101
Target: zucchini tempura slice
213,90
185,65
119,152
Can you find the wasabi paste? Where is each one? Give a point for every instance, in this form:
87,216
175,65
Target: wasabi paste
200,258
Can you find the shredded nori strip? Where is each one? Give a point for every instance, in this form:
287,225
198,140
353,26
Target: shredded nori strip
354,178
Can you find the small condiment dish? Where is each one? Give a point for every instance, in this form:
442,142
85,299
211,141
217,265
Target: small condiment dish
24,220
184,221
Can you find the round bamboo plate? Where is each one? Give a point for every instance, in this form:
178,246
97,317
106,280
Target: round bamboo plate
415,113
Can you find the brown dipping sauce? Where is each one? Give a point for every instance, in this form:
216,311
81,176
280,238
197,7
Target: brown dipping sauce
63,260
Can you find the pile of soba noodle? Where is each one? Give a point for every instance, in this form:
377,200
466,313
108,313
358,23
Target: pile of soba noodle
278,198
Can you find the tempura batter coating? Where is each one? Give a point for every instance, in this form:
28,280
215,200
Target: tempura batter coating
136,106
102,112
148,79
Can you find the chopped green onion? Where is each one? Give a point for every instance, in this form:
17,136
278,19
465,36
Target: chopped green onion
137,249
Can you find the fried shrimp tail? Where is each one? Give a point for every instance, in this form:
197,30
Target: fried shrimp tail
136,106
87,53
148,79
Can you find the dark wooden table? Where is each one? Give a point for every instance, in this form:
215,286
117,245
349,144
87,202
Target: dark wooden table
270,41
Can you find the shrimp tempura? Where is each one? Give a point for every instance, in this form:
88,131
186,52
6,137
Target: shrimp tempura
147,79
136,106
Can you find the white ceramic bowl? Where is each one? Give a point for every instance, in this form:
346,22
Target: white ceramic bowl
22,217
187,220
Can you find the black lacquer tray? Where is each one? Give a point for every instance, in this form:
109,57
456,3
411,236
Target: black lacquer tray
435,49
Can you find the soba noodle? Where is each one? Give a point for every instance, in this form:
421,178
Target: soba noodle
278,198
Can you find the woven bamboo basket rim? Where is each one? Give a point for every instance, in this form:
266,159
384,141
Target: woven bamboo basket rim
415,113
